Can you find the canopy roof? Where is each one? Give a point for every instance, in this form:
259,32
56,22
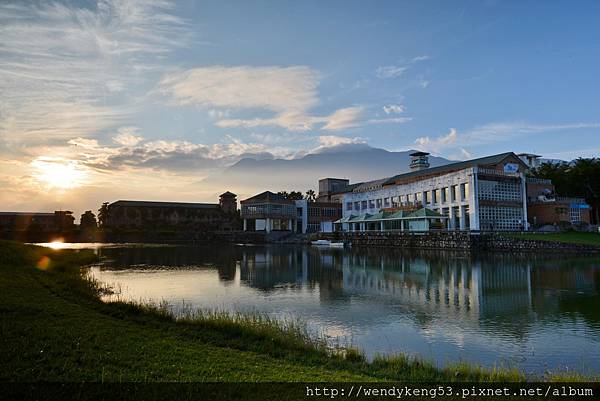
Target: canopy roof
423,213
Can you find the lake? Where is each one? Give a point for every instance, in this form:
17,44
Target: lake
531,311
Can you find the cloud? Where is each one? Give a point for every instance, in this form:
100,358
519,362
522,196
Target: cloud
394,109
436,144
279,89
492,133
390,71
63,65
127,136
397,70
288,92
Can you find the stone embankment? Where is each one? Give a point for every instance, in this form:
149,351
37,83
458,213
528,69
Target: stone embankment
454,240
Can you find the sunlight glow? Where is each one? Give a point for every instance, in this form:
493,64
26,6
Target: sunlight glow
58,173
57,244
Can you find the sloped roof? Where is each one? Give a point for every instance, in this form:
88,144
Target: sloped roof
226,194
494,159
268,197
424,212
397,215
165,204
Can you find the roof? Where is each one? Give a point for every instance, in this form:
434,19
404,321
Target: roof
397,215
268,197
418,153
165,204
227,194
26,213
424,212
494,159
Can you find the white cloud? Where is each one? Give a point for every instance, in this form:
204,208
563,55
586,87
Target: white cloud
334,140
127,136
491,133
394,71
279,89
288,92
62,64
390,71
394,109
436,144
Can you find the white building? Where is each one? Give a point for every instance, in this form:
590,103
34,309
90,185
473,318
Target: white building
480,194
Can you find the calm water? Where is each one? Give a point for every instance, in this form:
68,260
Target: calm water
537,313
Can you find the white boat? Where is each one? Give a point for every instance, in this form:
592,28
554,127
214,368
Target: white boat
327,243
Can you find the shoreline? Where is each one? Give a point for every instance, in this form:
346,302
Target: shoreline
125,341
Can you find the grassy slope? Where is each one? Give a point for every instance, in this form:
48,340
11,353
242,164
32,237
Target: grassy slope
568,237
54,327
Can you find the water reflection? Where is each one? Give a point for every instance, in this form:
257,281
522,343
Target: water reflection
532,310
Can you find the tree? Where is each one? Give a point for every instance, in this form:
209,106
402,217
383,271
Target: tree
103,214
88,220
310,195
293,195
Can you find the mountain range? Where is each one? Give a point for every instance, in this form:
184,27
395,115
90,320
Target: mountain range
356,162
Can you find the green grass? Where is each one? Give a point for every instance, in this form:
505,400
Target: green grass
54,327
571,237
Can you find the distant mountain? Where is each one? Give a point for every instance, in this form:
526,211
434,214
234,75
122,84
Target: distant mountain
357,162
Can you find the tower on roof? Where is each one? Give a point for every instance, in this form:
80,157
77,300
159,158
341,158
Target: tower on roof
228,202
419,161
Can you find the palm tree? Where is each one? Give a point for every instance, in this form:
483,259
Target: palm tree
310,195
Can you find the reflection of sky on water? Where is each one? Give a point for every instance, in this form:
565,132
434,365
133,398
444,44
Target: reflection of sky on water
531,311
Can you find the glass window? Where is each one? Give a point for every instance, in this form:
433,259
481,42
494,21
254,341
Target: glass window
427,197
349,206
444,194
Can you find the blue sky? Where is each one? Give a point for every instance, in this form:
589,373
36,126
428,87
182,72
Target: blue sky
121,92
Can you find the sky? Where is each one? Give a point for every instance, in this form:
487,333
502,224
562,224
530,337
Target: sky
143,99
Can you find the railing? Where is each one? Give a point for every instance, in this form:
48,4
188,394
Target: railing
570,200
542,181
491,171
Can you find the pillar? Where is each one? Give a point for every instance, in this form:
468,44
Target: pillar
268,225
461,213
245,224
452,216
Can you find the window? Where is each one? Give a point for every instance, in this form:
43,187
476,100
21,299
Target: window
357,206
500,190
435,195
444,194
464,191
349,206
419,197
453,194
378,203
427,197
371,204
500,218
386,202
363,205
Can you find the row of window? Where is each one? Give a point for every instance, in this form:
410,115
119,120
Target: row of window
437,196
500,190
500,218
269,209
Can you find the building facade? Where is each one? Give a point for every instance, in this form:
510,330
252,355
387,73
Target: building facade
268,212
317,216
480,194
59,221
157,215
273,212
545,208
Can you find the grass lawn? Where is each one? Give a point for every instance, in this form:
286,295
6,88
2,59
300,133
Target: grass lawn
53,327
571,237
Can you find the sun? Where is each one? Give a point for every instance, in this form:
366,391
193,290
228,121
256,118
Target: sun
59,173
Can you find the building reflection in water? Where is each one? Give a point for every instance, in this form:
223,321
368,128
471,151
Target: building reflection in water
507,293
